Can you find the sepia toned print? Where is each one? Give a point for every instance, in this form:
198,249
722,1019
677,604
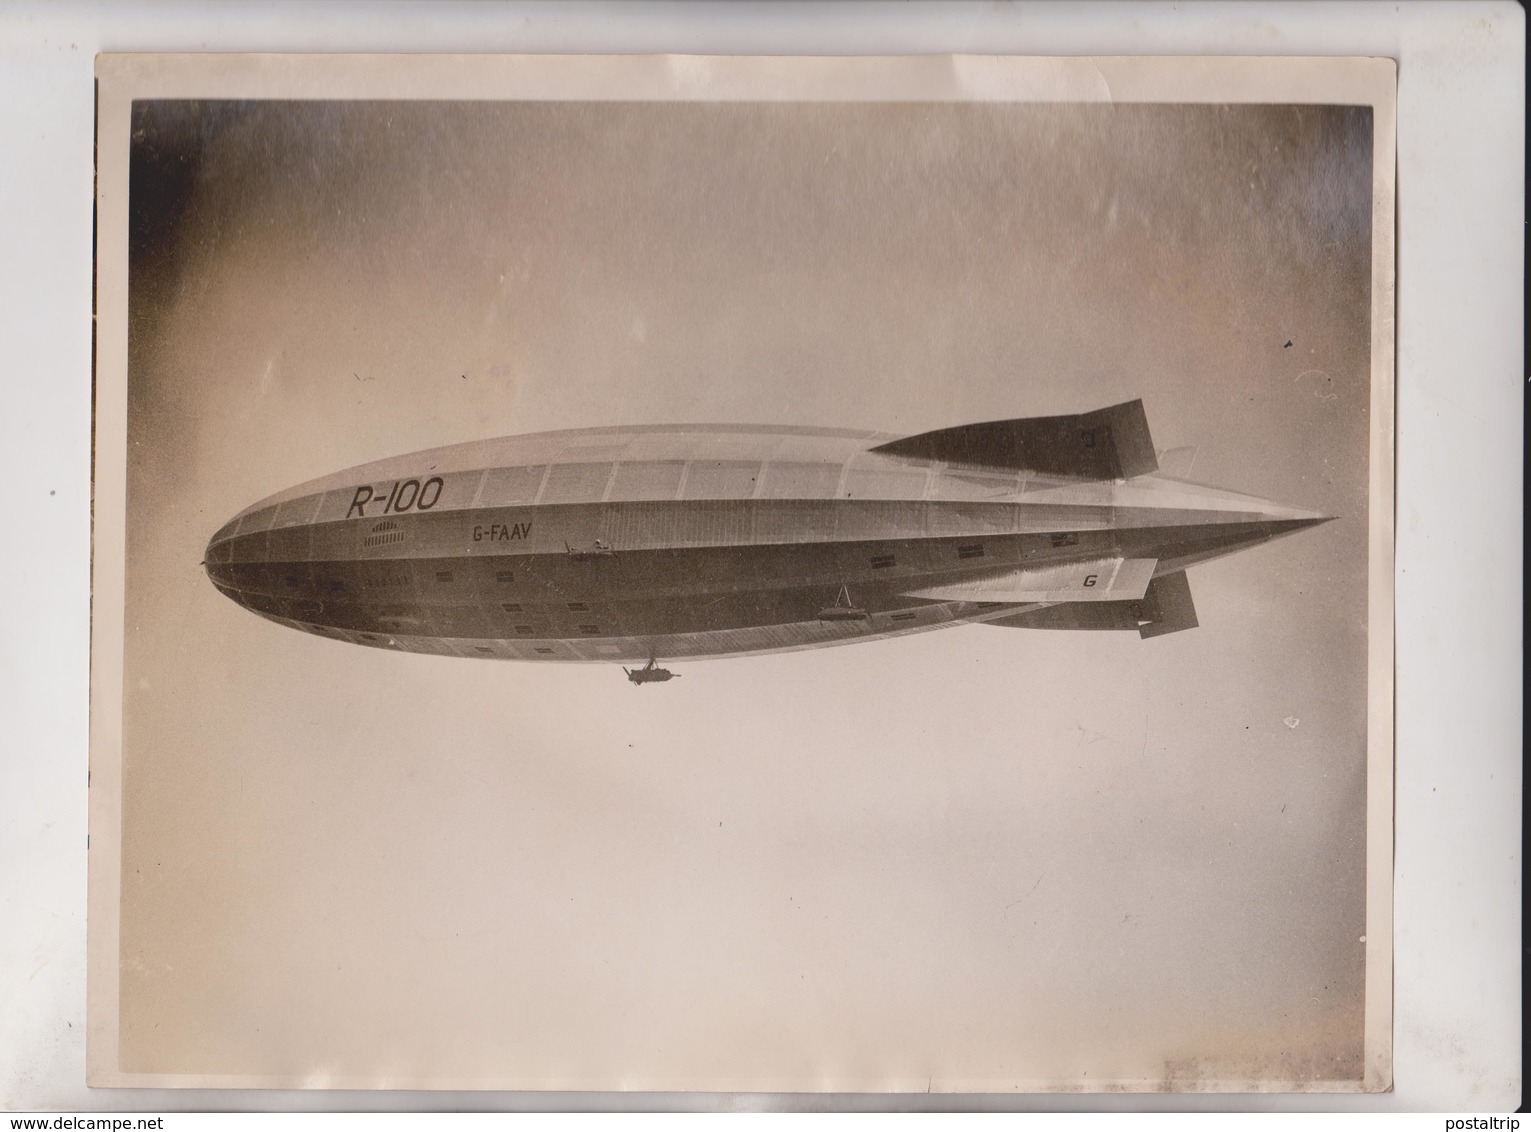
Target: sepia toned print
647,368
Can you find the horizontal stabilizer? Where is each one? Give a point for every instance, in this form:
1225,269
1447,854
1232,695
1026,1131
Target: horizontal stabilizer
1095,580
1107,444
1165,607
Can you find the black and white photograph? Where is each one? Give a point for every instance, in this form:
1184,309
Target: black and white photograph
772,575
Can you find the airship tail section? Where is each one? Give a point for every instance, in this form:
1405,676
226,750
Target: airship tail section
1165,607
1107,444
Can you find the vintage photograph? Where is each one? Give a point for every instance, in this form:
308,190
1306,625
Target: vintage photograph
743,575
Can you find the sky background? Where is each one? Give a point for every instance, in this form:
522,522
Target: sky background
974,855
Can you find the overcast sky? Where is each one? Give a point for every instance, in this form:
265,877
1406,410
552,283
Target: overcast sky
978,854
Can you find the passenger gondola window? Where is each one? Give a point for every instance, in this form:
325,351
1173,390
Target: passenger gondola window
443,575
511,607
882,561
577,607
506,576
590,630
972,550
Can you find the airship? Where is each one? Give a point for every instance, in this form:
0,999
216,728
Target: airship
631,544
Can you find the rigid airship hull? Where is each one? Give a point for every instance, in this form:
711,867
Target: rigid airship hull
625,544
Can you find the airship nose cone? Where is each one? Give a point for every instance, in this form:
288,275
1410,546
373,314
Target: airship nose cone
216,558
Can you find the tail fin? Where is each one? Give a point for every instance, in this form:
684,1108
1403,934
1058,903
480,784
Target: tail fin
1111,443
1165,607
